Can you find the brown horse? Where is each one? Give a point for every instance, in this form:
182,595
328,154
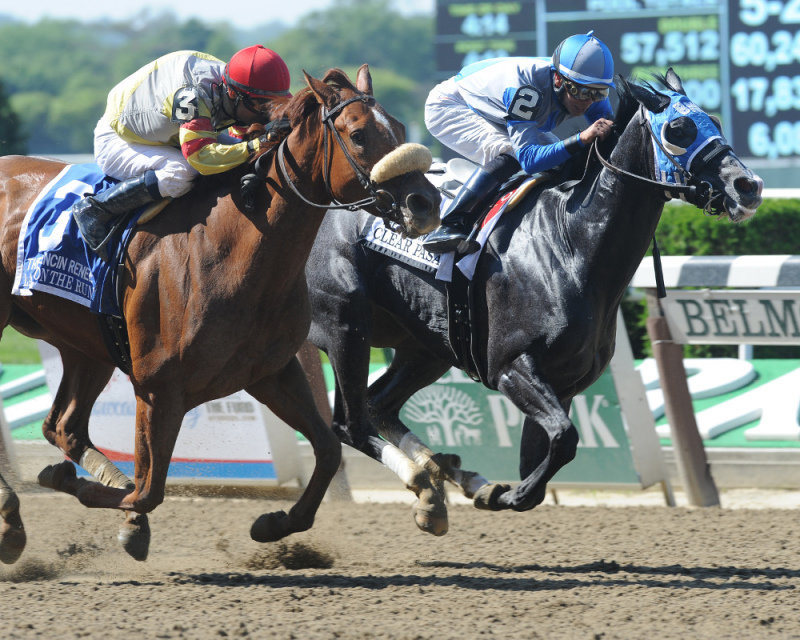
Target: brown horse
215,298
12,533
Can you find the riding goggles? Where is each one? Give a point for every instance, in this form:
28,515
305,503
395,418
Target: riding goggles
256,105
595,94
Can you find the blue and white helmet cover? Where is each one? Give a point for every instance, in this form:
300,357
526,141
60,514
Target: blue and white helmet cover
707,132
584,59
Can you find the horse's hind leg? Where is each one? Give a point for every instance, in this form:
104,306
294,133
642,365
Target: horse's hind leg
12,533
289,396
67,427
412,369
350,412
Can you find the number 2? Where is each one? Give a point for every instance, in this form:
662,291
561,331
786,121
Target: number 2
524,102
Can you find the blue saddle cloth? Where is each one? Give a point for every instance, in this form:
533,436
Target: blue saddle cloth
51,254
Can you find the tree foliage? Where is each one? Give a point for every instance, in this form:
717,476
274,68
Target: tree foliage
12,140
58,72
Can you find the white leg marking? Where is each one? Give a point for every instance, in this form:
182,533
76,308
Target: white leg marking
394,459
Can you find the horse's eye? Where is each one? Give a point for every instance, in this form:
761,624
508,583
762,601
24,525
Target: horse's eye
680,132
357,137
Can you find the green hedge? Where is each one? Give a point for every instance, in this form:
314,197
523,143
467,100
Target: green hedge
684,230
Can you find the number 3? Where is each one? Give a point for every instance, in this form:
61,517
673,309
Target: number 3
524,103
184,105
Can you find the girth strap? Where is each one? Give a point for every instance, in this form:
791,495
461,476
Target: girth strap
460,327
115,337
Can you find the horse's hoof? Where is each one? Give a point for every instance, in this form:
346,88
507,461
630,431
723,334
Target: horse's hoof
488,495
431,518
134,536
53,475
12,542
270,527
12,533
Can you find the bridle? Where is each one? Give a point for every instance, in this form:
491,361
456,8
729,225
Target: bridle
699,192
382,199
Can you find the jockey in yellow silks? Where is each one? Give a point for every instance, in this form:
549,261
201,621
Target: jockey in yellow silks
171,121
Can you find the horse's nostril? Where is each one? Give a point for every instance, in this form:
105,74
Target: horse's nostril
747,186
418,204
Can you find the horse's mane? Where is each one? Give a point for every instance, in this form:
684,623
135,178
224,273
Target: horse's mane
304,103
629,103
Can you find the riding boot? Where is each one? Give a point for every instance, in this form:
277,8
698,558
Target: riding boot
454,234
97,215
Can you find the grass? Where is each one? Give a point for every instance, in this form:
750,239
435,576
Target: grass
18,349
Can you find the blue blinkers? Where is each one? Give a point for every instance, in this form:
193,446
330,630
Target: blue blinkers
683,139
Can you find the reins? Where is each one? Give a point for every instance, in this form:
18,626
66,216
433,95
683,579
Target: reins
376,196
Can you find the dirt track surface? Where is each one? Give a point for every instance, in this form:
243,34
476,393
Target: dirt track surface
364,571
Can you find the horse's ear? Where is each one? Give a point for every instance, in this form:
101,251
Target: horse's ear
652,100
364,80
324,93
674,81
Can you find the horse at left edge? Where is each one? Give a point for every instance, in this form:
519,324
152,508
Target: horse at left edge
12,532
214,297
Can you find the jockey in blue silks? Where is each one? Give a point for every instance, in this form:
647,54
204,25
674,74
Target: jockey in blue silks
500,113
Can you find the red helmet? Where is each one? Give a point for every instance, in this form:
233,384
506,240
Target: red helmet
257,72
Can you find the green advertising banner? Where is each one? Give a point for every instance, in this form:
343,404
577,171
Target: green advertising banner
458,415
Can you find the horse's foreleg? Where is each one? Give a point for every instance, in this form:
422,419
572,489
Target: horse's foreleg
289,396
12,532
430,508
549,439
134,532
158,421
67,427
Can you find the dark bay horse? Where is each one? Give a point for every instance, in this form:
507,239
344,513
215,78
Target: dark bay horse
215,297
12,532
546,293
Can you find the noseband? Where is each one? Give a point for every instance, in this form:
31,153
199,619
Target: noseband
382,199
699,192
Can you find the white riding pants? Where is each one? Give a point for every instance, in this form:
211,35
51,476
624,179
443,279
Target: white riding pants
122,160
454,124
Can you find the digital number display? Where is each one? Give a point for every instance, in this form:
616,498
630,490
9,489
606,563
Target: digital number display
765,76
666,34
472,31
739,59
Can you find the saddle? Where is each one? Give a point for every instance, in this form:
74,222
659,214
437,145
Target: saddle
460,289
